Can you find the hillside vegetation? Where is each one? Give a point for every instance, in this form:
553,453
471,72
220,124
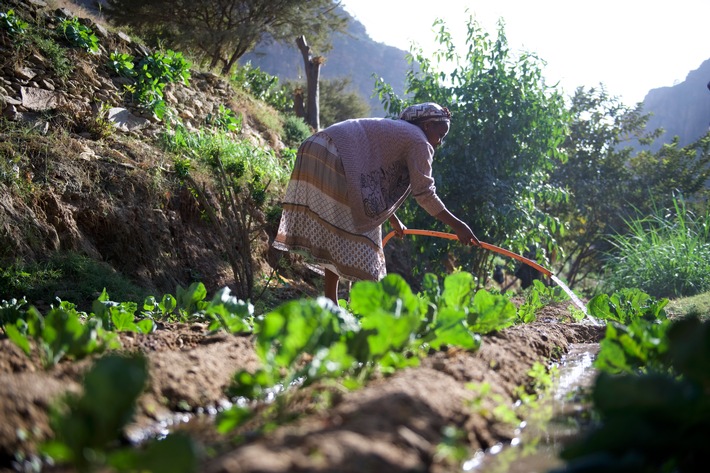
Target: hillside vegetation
109,179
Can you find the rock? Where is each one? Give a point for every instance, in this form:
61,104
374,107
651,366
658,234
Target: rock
39,100
125,120
25,73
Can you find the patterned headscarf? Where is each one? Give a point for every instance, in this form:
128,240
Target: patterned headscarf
425,112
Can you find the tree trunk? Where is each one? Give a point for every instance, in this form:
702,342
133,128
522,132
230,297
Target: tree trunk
312,66
298,108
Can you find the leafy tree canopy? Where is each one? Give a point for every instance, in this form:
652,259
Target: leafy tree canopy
221,31
506,131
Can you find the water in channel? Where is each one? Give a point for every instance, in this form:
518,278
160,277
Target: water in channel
537,444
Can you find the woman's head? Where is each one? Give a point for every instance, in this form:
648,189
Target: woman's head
433,119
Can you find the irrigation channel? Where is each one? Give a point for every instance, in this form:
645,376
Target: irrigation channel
538,441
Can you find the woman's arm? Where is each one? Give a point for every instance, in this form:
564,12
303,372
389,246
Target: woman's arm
462,230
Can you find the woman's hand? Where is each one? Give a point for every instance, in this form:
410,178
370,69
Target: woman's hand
397,226
463,232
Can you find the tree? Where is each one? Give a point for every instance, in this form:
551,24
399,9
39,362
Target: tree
608,185
337,104
312,66
221,31
506,130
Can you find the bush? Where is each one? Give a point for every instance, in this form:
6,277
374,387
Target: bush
295,131
666,254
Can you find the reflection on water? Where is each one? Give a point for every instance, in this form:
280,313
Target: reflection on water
538,442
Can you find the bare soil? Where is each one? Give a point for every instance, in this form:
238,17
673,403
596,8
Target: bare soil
393,424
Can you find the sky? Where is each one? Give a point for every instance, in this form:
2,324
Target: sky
629,46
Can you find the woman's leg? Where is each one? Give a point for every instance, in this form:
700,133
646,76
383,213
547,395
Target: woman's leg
331,285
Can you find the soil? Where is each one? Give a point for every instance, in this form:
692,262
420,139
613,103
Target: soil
394,423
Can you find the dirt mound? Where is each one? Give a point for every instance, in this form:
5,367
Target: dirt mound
393,424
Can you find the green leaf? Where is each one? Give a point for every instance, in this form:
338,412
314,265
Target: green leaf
458,290
490,312
451,329
18,337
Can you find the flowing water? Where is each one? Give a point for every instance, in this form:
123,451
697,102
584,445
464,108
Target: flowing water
581,305
538,442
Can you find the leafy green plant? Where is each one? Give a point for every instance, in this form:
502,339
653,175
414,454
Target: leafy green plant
151,75
122,64
119,316
655,421
666,254
13,24
57,335
88,427
635,336
79,35
224,311
225,119
262,86
389,328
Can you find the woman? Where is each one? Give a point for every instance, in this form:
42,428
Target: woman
351,177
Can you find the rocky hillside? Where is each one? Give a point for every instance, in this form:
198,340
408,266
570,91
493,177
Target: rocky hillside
81,169
682,110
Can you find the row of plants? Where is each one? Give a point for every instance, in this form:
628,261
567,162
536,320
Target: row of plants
385,327
650,399
67,333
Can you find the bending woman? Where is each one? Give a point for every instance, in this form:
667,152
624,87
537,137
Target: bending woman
351,177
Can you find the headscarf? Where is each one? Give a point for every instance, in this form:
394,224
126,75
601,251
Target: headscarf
425,112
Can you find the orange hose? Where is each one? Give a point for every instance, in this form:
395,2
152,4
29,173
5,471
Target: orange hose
483,244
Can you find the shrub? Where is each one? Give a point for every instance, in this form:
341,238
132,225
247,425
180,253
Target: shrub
295,131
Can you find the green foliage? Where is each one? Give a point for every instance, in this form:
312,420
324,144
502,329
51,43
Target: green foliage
538,296
244,176
296,130
655,421
506,130
636,331
608,185
337,103
59,334
119,316
79,35
224,311
70,276
67,333
389,328
122,64
88,428
218,33
666,254
225,120
262,86
627,305
13,24
56,55
150,75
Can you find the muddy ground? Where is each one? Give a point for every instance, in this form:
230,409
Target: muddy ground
393,424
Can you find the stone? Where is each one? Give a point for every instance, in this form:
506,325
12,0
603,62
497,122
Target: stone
38,100
125,120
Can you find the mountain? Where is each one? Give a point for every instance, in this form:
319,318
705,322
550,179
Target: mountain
354,55
682,110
